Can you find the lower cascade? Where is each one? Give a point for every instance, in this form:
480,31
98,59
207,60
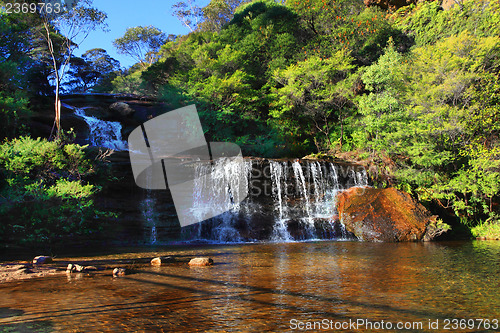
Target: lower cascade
286,201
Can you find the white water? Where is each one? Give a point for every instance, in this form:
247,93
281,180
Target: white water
213,191
300,191
278,179
103,133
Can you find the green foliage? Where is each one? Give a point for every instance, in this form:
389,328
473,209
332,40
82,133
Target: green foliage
44,191
427,23
94,71
13,109
310,98
489,229
141,43
415,92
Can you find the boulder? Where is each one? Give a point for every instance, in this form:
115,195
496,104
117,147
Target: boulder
123,109
119,272
158,261
384,215
201,262
40,260
78,268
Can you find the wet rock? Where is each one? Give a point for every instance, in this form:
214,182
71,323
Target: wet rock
79,126
119,271
78,268
40,260
122,108
90,269
201,262
158,261
383,215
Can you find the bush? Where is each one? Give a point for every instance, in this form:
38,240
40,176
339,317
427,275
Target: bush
44,193
489,229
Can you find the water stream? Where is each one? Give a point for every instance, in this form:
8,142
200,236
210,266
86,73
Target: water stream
264,287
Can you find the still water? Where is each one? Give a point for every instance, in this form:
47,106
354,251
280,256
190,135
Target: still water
271,287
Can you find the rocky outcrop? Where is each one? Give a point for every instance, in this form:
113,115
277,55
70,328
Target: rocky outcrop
385,215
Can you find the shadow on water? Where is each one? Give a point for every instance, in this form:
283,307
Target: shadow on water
263,290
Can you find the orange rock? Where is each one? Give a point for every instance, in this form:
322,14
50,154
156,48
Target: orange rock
201,262
385,215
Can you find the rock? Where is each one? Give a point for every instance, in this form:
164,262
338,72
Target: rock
122,108
79,126
158,261
70,268
40,260
201,262
78,268
392,4
90,269
383,215
119,271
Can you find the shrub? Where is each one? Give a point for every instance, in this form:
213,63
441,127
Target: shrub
44,192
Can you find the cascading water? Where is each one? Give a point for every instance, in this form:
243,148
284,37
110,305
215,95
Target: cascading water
278,178
103,133
300,204
212,191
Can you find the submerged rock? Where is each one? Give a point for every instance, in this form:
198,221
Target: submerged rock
40,260
201,262
384,215
119,272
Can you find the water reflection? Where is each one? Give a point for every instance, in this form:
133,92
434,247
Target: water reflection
262,287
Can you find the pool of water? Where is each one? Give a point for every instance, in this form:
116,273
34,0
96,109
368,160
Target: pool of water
272,287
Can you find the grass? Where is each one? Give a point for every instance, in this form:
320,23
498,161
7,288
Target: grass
489,229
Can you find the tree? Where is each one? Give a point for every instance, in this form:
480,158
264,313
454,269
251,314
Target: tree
189,13
311,97
141,43
74,24
218,13
94,68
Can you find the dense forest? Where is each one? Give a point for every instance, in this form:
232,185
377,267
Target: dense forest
409,90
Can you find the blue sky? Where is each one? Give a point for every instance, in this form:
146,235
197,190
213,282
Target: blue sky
123,14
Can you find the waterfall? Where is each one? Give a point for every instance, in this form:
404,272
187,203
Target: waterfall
300,182
213,184
103,133
286,200
149,212
278,181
